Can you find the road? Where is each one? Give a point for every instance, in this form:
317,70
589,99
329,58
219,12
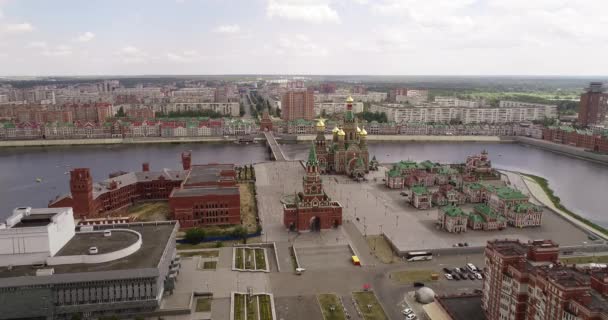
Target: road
247,105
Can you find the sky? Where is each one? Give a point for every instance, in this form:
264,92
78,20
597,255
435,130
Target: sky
328,37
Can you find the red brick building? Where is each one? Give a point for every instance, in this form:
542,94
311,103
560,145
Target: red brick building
313,209
141,114
197,195
585,139
593,107
526,281
298,105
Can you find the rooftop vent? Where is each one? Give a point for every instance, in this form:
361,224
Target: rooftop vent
45,272
93,250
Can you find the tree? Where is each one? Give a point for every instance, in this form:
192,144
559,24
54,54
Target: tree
195,235
240,233
241,109
121,112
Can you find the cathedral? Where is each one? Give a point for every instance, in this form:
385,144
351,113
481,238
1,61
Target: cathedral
347,152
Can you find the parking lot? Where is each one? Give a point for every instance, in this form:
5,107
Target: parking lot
323,258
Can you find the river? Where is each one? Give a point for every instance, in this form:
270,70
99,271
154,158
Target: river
581,184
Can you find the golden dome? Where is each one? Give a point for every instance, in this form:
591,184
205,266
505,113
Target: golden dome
363,132
320,123
335,130
341,133
349,99
358,130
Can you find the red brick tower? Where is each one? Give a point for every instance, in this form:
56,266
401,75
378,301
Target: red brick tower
145,167
266,122
313,187
81,186
186,160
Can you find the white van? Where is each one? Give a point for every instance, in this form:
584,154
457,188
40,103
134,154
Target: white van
471,267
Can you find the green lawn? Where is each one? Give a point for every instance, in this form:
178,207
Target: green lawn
249,256
239,258
584,259
203,304
260,259
265,308
409,276
327,300
210,265
252,308
204,254
369,306
239,307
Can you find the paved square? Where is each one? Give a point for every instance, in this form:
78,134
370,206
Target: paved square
326,257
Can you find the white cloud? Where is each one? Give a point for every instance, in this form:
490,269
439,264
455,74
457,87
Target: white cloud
37,45
228,28
131,54
58,51
300,45
313,11
15,28
185,56
85,37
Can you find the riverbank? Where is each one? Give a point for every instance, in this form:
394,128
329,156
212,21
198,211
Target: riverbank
407,138
111,141
564,149
539,188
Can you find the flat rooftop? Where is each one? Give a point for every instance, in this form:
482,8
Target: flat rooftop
154,238
81,243
463,307
204,191
207,173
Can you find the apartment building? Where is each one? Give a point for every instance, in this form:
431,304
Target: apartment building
227,109
336,107
526,281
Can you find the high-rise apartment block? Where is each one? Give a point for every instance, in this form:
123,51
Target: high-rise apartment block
298,105
526,281
593,107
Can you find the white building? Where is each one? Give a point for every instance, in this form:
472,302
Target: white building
438,114
31,236
341,97
336,107
550,110
455,102
149,92
227,109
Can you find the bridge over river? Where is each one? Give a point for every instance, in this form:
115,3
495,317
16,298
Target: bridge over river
275,149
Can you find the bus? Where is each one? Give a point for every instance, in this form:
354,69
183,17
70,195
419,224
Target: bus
419,256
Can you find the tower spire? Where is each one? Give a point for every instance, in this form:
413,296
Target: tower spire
312,156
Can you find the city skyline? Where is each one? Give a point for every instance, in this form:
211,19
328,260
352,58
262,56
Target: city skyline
389,37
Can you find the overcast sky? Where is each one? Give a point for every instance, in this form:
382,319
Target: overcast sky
376,37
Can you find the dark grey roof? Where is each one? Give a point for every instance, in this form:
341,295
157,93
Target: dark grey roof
81,243
207,173
464,307
202,191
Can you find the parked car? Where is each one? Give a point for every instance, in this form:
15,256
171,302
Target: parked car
407,311
471,276
455,276
478,276
410,316
448,276
463,276
457,270
418,284
446,270
471,267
